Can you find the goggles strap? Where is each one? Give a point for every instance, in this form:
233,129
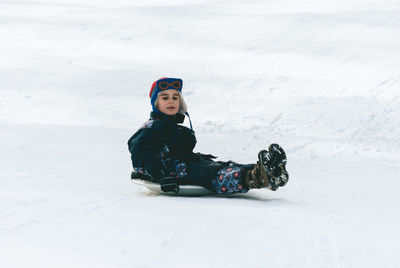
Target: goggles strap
190,121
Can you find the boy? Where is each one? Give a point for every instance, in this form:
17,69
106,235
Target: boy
162,151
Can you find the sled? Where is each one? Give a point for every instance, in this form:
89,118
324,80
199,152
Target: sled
184,190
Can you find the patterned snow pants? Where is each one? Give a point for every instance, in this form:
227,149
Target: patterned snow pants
229,180
220,177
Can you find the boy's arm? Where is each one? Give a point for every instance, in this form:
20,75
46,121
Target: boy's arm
145,147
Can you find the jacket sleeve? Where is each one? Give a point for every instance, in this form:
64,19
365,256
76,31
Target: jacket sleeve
146,145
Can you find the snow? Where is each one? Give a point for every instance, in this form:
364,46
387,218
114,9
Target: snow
320,78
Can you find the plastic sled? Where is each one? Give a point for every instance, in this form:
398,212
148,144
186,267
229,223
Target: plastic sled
184,190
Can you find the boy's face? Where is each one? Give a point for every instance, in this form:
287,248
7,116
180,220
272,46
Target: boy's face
168,102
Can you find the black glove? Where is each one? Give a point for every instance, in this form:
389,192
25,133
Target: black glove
169,184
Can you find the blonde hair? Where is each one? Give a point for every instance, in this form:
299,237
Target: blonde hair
182,103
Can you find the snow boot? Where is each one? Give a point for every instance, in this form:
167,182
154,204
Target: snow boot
270,170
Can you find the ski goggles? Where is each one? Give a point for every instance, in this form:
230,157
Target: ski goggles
169,83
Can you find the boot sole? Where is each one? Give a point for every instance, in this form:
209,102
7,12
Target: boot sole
274,163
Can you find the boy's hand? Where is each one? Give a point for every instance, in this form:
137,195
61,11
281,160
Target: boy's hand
169,184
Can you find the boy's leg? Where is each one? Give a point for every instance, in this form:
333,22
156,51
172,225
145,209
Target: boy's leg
231,179
200,173
219,177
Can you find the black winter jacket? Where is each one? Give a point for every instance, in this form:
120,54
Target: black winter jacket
159,138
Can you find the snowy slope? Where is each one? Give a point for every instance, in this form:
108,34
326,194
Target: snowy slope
320,78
